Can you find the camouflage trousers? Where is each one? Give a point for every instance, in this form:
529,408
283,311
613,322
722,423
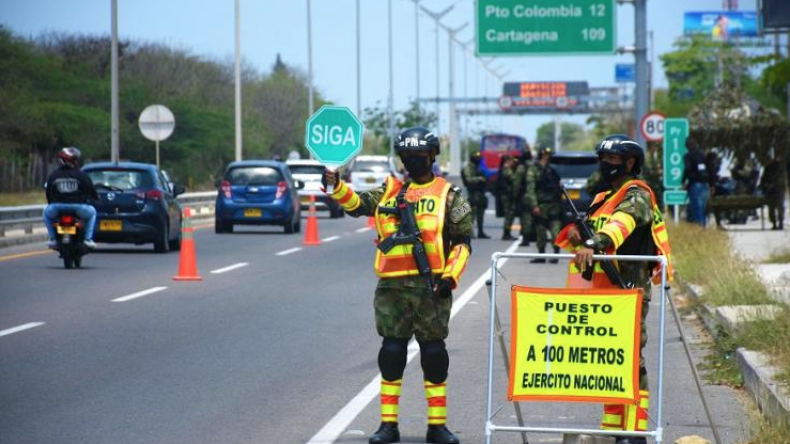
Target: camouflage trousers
509,208
776,209
478,202
525,215
406,307
550,220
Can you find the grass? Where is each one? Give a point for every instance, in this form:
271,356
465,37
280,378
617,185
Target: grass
27,198
705,257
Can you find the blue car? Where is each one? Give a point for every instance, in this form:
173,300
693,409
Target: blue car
137,204
258,192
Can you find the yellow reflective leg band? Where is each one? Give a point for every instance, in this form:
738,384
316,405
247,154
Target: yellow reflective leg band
436,395
390,396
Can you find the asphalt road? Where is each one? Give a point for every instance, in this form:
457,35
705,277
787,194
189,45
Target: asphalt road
280,350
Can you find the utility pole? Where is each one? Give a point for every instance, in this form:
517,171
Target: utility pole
455,149
390,99
115,140
309,60
640,55
238,82
437,16
417,44
359,66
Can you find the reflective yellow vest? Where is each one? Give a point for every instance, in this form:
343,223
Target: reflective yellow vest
603,220
430,205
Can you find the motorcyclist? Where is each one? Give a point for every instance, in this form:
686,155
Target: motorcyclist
68,188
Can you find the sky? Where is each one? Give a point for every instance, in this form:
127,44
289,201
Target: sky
269,27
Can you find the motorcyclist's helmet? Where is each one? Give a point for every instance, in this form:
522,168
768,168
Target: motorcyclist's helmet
70,157
625,147
417,139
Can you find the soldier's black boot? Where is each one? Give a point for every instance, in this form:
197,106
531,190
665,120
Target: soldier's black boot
439,434
524,241
507,236
481,235
556,251
388,432
539,260
631,440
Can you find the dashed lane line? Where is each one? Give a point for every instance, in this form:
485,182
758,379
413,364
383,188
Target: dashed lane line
362,230
288,251
139,294
330,239
23,255
229,268
340,422
19,328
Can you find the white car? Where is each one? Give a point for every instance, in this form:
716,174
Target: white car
310,172
367,172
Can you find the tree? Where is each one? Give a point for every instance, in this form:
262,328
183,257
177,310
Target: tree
377,123
571,136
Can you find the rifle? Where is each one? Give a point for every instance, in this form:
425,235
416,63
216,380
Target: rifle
408,234
586,233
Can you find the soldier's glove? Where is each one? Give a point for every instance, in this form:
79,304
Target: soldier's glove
323,178
442,288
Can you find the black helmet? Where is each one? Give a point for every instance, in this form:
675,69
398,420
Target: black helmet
69,156
474,156
526,156
545,150
417,139
623,146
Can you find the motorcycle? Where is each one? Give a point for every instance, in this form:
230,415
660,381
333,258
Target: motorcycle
70,239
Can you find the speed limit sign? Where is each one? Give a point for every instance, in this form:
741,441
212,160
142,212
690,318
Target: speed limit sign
652,126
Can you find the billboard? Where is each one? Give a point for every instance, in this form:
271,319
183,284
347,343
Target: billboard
721,25
775,14
625,72
545,97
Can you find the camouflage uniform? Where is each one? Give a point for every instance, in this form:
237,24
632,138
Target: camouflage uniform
543,191
654,177
523,210
595,184
637,204
508,199
773,187
405,305
475,183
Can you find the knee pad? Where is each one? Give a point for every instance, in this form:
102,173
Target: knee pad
392,358
434,360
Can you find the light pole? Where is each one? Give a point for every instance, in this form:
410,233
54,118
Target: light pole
115,142
417,44
237,76
437,16
455,150
309,60
359,66
390,99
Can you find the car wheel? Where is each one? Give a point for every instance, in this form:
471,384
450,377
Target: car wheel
219,227
175,244
288,226
298,226
162,244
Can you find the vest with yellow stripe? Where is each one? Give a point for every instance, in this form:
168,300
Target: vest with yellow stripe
430,206
627,239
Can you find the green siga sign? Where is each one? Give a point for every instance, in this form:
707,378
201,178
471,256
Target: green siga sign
676,131
675,197
333,135
545,27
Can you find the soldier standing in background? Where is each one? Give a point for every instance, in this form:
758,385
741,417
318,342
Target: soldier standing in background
475,183
505,182
773,187
520,195
654,172
544,197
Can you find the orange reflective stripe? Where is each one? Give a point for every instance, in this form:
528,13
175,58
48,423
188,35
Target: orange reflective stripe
390,397
436,395
346,197
459,257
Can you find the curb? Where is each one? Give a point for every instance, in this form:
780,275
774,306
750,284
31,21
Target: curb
771,396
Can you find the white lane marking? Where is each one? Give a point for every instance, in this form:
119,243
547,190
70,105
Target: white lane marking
330,239
139,294
362,230
338,424
292,250
230,267
19,328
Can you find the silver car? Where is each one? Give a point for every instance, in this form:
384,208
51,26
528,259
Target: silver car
310,172
367,172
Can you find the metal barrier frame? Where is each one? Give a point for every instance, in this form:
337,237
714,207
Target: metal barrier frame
491,428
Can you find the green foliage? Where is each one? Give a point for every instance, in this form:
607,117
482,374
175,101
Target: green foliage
55,91
377,123
573,137
776,79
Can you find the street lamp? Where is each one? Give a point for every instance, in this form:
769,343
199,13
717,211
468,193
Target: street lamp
455,150
237,76
437,16
309,60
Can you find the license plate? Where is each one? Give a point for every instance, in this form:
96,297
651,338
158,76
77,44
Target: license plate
253,212
110,225
67,230
575,194
370,180
305,199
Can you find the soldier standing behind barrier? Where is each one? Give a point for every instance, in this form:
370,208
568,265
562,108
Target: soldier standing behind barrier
505,181
544,197
520,195
475,182
773,187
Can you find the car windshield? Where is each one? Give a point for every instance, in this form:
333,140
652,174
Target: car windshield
576,167
121,179
370,166
307,169
259,175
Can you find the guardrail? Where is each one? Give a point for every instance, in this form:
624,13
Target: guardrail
29,217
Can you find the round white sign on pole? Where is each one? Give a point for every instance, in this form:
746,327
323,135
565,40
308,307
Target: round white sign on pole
652,126
157,123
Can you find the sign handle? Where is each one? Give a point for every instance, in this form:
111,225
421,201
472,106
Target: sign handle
330,189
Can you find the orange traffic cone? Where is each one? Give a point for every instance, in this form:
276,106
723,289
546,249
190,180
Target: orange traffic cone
187,267
371,222
311,233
